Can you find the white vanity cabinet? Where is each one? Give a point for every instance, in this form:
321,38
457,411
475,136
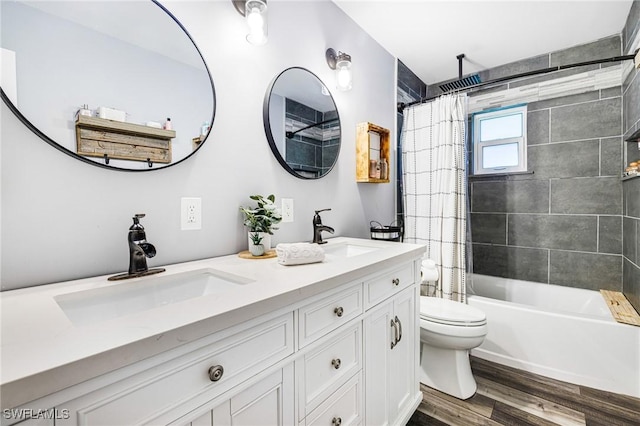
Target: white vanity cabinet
159,394
269,402
391,353
344,352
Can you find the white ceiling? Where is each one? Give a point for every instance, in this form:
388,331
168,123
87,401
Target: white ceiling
427,35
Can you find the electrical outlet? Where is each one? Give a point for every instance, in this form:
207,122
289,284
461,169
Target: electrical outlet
190,213
287,210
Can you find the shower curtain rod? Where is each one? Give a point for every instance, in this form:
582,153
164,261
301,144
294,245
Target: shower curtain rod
402,106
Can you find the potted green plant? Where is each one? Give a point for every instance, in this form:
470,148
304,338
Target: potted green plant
262,218
256,248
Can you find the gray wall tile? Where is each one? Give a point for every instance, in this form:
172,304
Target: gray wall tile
631,287
630,243
600,49
562,232
600,195
631,190
490,260
511,262
563,160
564,100
610,234
538,127
587,120
632,100
514,68
586,270
489,228
520,196
611,92
611,157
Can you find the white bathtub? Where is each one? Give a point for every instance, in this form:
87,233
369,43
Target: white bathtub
560,332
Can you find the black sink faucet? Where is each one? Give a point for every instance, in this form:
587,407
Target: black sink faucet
318,227
139,248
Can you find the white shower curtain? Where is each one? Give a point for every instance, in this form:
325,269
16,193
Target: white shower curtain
435,186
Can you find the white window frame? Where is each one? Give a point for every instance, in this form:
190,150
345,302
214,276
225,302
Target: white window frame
478,169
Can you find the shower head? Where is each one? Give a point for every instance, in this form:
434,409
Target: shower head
461,82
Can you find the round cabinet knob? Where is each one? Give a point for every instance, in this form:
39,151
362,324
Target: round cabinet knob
338,311
396,281
215,373
336,363
336,421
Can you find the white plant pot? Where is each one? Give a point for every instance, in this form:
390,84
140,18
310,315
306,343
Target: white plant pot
256,249
266,240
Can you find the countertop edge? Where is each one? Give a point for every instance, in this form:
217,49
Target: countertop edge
30,389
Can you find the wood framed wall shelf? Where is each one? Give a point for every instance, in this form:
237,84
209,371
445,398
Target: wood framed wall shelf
97,137
373,161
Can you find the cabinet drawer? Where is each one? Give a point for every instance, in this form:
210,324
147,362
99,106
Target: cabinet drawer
329,365
344,407
384,286
329,313
147,395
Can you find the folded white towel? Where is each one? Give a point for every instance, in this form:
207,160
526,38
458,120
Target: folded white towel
299,253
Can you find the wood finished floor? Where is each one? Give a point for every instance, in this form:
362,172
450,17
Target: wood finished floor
507,396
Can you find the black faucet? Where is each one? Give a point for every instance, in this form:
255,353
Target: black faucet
318,227
139,250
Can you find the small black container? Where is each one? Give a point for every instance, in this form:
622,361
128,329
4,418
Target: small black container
387,233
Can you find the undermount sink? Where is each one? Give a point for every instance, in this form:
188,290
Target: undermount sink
348,250
142,294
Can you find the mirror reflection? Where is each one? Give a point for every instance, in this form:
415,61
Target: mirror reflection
106,81
302,124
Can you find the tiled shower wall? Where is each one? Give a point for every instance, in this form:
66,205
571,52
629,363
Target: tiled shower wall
562,223
313,150
631,187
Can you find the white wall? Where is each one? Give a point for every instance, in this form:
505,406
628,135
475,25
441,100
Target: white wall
63,219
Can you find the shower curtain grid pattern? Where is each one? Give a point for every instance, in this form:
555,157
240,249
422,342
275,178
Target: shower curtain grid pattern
434,180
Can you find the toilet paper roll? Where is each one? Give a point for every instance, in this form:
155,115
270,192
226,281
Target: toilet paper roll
429,271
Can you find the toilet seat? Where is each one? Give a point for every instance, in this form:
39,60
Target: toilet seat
448,312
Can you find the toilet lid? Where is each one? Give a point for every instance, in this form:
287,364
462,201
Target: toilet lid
449,312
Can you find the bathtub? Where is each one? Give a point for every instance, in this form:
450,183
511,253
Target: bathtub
559,332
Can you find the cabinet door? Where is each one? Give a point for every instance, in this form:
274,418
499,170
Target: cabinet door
268,402
379,334
402,358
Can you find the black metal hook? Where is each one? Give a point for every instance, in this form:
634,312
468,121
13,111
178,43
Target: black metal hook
106,159
149,162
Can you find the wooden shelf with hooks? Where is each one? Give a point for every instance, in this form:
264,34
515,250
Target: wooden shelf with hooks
372,144
97,137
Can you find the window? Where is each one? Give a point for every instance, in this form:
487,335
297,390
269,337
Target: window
500,140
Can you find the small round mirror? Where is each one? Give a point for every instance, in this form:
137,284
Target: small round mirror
302,124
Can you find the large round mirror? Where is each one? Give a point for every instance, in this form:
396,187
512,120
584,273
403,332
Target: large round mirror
302,123
119,84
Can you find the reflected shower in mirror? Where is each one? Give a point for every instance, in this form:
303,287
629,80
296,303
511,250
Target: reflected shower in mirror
100,80
302,124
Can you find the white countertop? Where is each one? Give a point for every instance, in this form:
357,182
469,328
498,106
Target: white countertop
42,351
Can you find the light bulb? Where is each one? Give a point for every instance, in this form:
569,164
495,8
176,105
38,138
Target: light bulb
343,76
256,16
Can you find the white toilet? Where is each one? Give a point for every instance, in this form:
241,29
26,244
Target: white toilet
448,330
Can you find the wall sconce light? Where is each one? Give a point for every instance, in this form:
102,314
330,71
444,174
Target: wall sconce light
341,62
255,13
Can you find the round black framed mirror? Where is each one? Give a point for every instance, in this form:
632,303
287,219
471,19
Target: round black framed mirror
120,85
302,124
